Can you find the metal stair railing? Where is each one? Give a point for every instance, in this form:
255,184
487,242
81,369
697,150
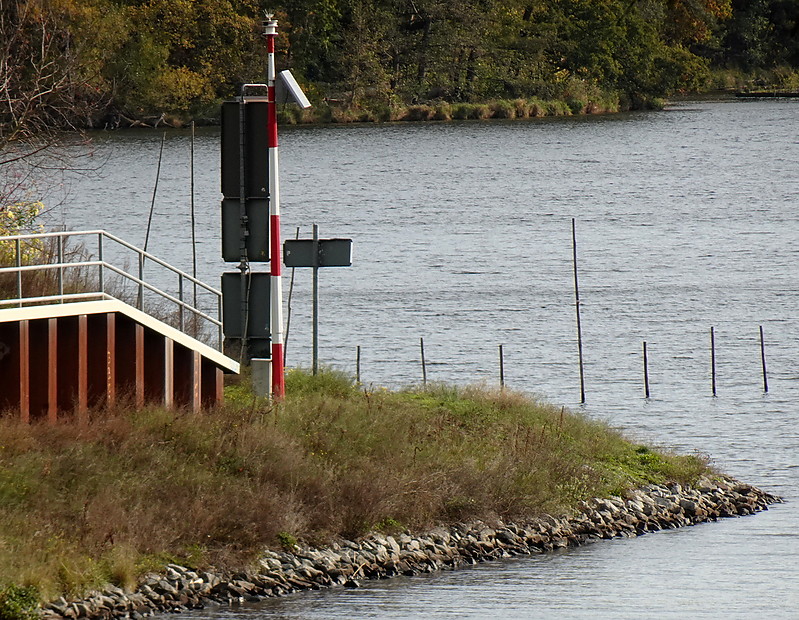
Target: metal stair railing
103,266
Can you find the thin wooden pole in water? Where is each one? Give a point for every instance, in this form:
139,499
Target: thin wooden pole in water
155,191
577,308
288,308
358,364
713,360
646,373
501,367
193,224
140,299
763,360
424,366
315,300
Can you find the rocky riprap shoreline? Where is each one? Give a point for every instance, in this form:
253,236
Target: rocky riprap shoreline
649,509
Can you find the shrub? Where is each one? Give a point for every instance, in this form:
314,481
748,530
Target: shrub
286,540
576,106
20,218
481,111
557,107
329,381
537,107
289,115
442,112
503,109
383,113
418,113
18,603
521,108
462,111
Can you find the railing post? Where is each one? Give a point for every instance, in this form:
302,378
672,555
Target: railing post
140,299
61,269
180,297
18,248
100,257
220,338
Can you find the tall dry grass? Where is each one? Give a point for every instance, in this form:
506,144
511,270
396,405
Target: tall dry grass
136,489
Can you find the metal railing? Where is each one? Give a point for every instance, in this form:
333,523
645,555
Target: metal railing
21,243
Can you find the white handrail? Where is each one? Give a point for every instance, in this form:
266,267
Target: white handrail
121,242
101,264
67,297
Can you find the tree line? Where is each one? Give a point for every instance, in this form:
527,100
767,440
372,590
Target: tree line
81,63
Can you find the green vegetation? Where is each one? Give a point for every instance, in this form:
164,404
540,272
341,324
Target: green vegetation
135,490
70,63
18,603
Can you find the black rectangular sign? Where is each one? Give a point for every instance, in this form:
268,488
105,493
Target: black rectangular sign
331,253
257,210
256,149
258,285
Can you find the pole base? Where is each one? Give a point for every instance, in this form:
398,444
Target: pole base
261,376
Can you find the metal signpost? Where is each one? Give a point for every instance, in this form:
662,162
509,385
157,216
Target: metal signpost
245,220
317,253
251,218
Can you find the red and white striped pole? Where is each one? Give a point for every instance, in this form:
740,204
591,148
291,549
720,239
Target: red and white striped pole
276,314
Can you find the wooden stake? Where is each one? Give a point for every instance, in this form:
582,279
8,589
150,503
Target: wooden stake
713,360
358,364
424,367
501,367
140,299
315,302
646,373
288,307
763,360
577,308
193,228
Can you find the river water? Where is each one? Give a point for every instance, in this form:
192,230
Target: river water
686,219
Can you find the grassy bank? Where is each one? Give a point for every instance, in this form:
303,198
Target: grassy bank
137,489
342,111
732,80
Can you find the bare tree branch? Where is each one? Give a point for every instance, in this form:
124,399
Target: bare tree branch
42,104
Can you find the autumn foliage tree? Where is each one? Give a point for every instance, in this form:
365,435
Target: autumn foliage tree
79,63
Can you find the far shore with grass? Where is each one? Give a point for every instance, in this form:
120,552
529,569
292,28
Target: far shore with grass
135,490
498,109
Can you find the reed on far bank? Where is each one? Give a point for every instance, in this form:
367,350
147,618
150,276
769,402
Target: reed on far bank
335,111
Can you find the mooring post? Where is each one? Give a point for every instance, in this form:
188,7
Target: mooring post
193,225
763,360
501,367
713,360
315,300
140,304
577,308
646,373
288,308
424,367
